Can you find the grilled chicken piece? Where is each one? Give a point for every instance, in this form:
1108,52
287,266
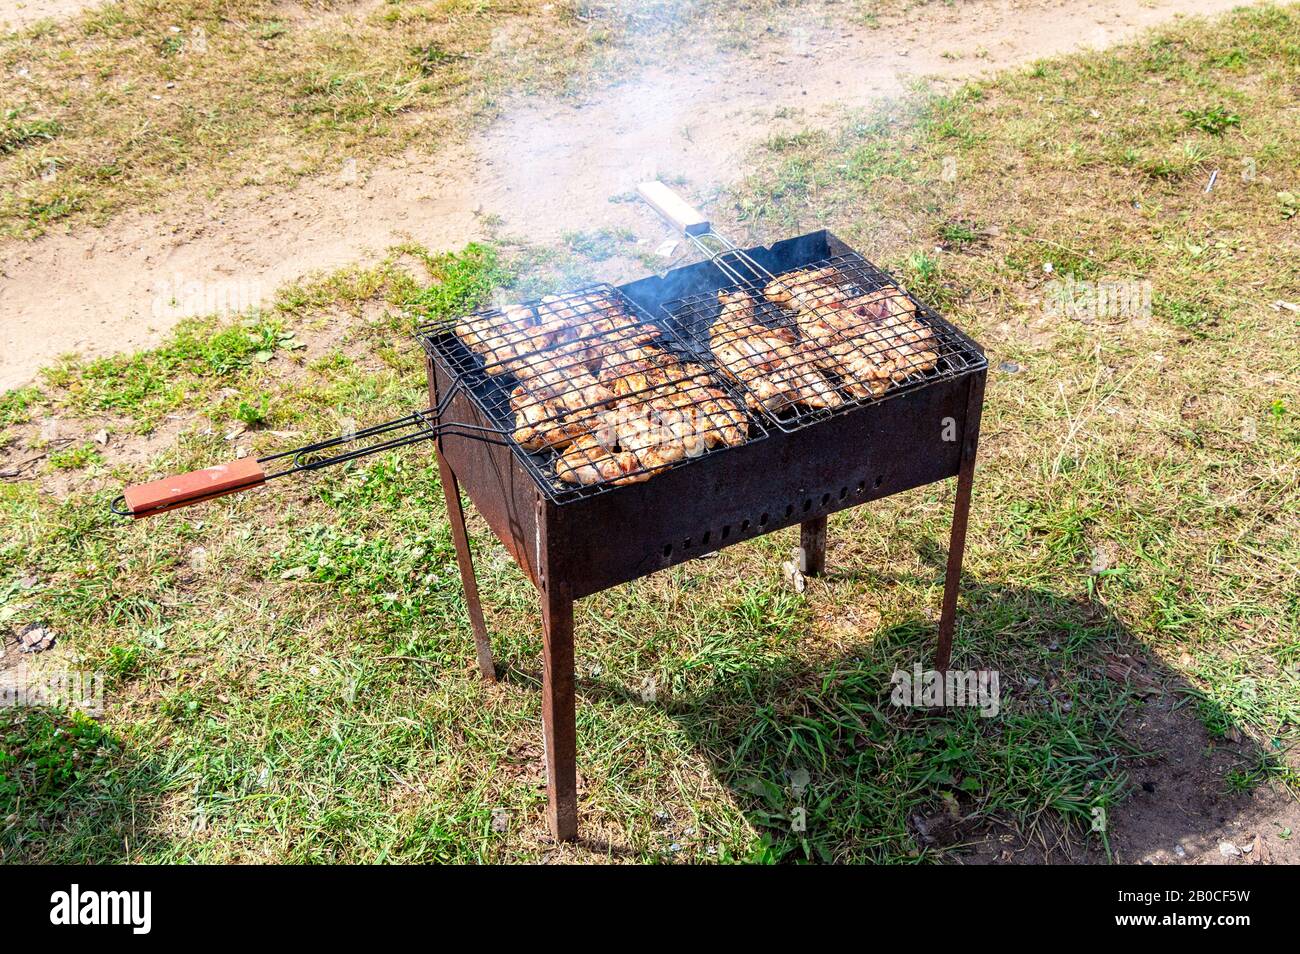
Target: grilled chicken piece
543,421
547,425
500,337
512,337
886,302
807,288
643,434
588,461
618,361
596,387
591,319
557,398
868,341
871,340
717,419
563,368
768,362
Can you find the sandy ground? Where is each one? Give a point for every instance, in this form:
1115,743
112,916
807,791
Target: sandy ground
16,14
544,169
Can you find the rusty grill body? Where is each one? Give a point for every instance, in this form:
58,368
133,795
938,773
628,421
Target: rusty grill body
796,467
888,398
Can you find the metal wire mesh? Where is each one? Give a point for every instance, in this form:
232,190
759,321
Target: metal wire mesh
590,392
813,342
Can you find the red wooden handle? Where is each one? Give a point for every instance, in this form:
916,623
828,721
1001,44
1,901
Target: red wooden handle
181,490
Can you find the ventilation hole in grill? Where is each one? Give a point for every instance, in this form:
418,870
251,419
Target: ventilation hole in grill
826,498
880,480
668,549
704,540
862,485
789,509
744,526
762,520
844,492
726,531
807,505
686,544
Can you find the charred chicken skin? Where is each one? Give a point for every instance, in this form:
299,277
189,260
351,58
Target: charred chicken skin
596,386
867,341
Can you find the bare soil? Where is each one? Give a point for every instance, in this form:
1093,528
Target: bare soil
1179,811
546,168
17,14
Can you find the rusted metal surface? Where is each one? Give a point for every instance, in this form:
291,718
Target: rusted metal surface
970,436
812,547
559,716
464,559
459,535
502,491
878,450
180,490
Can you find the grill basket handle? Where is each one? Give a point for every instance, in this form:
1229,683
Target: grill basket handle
181,490
735,263
675,210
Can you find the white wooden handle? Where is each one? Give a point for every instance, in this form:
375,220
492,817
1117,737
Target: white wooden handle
678,213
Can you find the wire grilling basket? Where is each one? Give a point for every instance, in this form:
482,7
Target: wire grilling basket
591,391
818,340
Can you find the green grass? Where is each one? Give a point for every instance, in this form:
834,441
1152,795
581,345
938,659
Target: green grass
598,245
17,133
1212,119
76,458
16,405
147,385
289,671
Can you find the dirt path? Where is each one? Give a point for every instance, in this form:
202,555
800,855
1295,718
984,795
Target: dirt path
16,14
543,170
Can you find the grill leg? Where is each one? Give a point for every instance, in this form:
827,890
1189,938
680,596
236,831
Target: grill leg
456,516
960,513
559,727
812,547
952,582
460,536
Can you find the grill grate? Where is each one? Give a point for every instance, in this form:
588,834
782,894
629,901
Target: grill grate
808,344
589,391
592,393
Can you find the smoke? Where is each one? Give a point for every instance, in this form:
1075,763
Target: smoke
650,111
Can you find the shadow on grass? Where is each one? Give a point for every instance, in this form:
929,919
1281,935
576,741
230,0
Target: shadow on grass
70,791
1097,751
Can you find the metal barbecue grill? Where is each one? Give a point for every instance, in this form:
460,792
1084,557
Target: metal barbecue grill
612,432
